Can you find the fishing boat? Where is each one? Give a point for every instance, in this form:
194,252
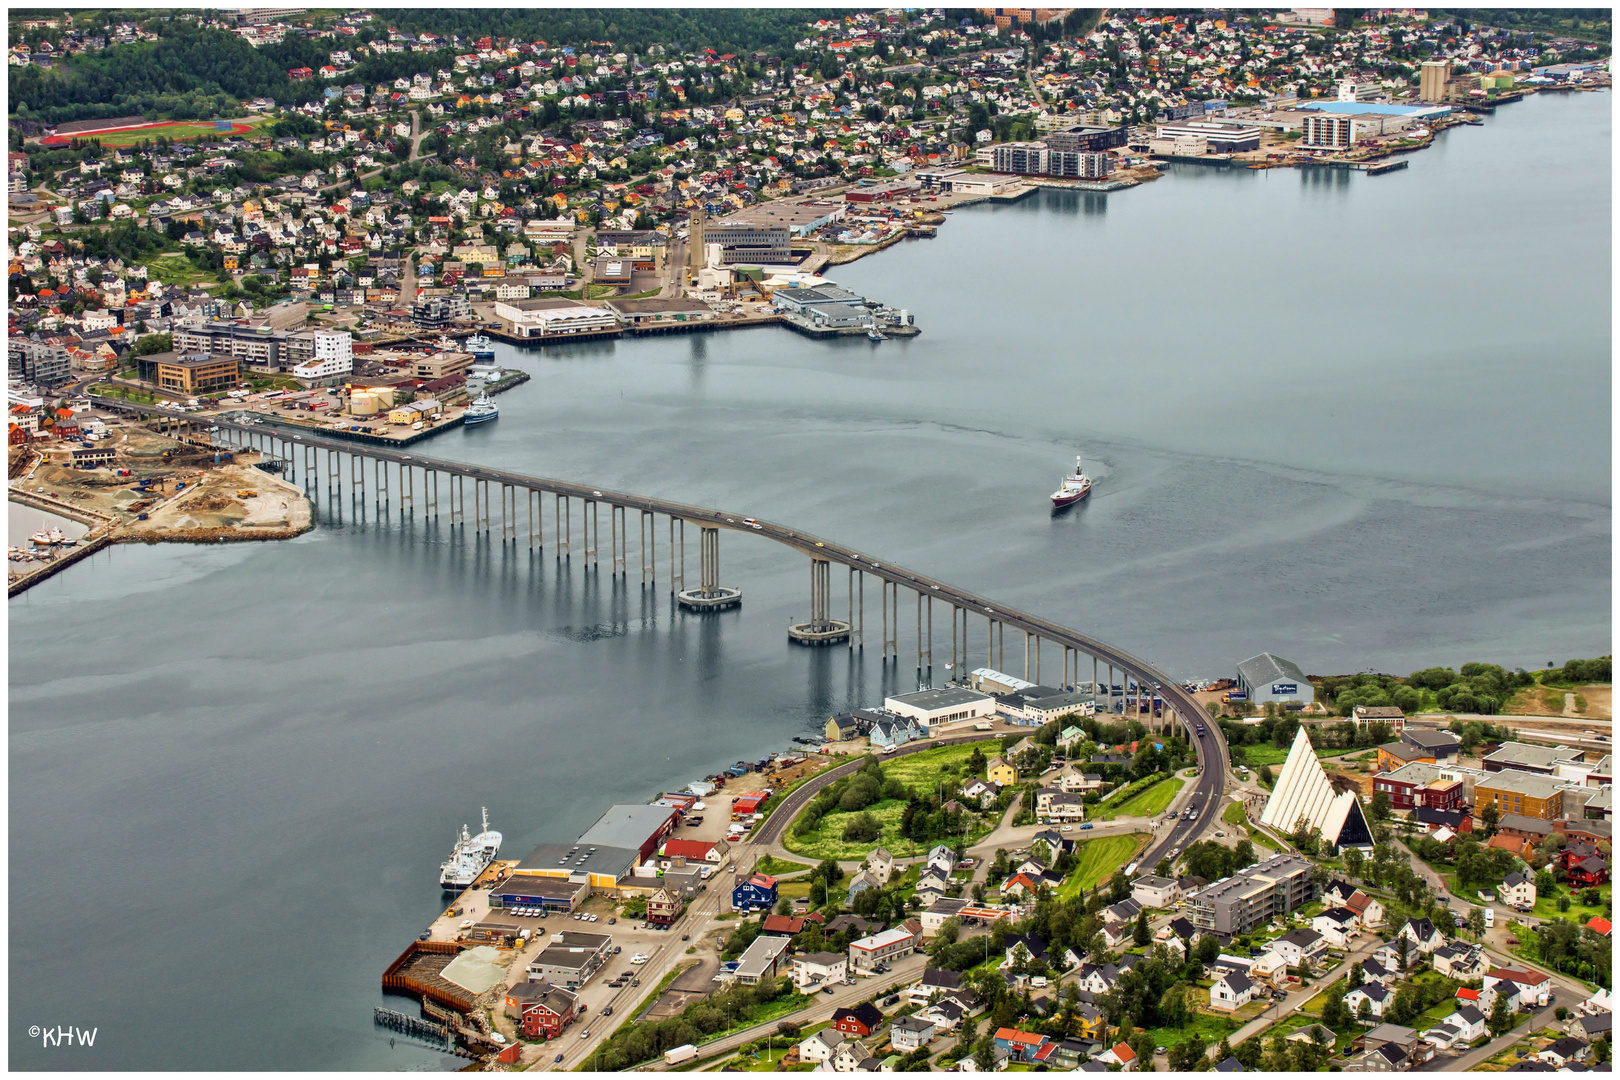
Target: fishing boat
874,334
481,411
48,537
1073,488
480,346
470,857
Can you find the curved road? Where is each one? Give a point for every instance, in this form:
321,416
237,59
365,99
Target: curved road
1209,746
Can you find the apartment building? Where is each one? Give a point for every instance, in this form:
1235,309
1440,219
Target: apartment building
1250,897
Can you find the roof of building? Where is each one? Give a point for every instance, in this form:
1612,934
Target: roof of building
760,954
867,1013
1433,739
1534,785
880,941
1405,751
617,862
628,826
943,698
1518,753
1266,668
1304,791
1238,981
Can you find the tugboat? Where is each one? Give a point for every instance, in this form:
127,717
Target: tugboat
480,346
470,857
873,333
1073,488
481,411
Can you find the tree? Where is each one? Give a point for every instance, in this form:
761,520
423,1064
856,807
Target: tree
1500,1021
1364,1011
1141,935
1207,949
1400,952
1476,921
984,1055
1490,818
1352,861
1381,807
1265,775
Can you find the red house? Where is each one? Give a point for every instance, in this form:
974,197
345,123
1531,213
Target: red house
1590,872
300,73
542,1010
782,925
860,1021
1599,925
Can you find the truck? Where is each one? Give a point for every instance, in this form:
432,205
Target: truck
680,1054
1235,695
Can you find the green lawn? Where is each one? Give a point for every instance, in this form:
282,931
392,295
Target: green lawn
173,268
1255,755
1099,859
778,867
1547,906
922,769
1234,815
1211,1026
1145,803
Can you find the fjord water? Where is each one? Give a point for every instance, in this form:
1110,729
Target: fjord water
1362,422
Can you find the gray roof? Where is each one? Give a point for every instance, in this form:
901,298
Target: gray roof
627,826
1238,981
552,858
1517,753
942,698
1266,668
1429,739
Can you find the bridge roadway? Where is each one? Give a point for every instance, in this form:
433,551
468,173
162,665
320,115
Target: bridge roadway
1210,747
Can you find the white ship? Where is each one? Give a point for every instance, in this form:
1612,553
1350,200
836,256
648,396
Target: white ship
470,857
1073,488
481,411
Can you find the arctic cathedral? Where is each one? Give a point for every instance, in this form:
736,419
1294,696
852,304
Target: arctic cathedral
1304,791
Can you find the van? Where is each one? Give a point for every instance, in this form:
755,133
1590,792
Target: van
1490,917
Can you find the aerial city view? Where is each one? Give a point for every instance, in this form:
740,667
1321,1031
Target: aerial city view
1248,370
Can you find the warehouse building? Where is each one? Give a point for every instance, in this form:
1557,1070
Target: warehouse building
1271,678
596,866
945,706
1222,138
640,828
571,958
1520,793
537,890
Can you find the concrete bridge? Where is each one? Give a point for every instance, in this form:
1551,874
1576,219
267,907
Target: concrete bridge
310,459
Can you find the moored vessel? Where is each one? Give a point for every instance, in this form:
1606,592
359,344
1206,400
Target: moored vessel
1073,488
470,857
481,411
480,346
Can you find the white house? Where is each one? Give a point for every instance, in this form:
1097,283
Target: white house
1055,804
1336,925
1460,960
1422,934
1368,911
910,1032
822,1045
1231,991
880,862
1376,994
1152,891
933,981
819,969
1529,986
1518,891
1300,946
1463,1026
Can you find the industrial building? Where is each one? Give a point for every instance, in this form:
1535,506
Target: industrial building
640,828
1086,139
555,318
600,867
1271,678
537,890
798,217
1264,891
1219,136
1432,79
944,706
571,958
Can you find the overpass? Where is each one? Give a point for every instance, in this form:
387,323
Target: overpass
310,458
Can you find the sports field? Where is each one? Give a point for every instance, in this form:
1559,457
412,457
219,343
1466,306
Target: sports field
129,136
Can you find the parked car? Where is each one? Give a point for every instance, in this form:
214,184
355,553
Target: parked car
1086,826
826,989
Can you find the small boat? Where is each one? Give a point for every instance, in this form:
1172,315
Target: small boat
48,537
481,411
480,346
874,334
1073,488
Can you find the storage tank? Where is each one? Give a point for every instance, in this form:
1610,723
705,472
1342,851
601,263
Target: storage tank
385,395
363,403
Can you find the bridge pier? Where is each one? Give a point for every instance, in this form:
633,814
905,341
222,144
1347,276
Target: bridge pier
563,514
357,476
433,496
619,538
590,531
536,503
822,629
925,637
646,545
710,595
677,580
382,485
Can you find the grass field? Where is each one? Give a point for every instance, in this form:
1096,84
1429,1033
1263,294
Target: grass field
920,770
174,129
1547,906
1145,803
1099,859
173,268
1233,815
1211,1026
1255,755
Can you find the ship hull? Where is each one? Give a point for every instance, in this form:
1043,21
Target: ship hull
1069,499
468,421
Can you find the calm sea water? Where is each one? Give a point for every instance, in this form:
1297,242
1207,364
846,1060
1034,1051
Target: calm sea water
1362,422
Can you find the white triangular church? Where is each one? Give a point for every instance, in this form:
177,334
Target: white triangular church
1304,791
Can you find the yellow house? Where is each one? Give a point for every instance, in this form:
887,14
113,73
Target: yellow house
1094,1026
1000,772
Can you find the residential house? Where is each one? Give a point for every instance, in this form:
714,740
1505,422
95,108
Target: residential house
852,1056
1460,960
664,907
863,880
818,969
1300,946
858,1021
1532,986
999,771
1562,1052
1054,804
910,1032
1460,1028
1422,934
1119,1054
880,862
1152,891
1376,995
1021,1045
1518,891
541,1009
1337,926
870,953
756,893
1369,912
945,1014
1373,971
822,1045
1231,991
933,981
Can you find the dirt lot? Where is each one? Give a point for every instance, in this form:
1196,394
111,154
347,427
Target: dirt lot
233,501
1546,701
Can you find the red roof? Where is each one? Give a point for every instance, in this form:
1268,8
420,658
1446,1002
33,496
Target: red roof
1013,1035
786,924
1600,925
1468,995
1524,978
1125,1054
764,881
690,849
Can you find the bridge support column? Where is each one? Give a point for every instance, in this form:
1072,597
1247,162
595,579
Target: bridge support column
822,629
407,489
562,514
647,545
357,477
710,595
590,530
1026,656
677,579
619,532
509,514
434,496
1037,658
382,484
891,631
536,501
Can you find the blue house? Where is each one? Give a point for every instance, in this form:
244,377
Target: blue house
758,893
892,731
